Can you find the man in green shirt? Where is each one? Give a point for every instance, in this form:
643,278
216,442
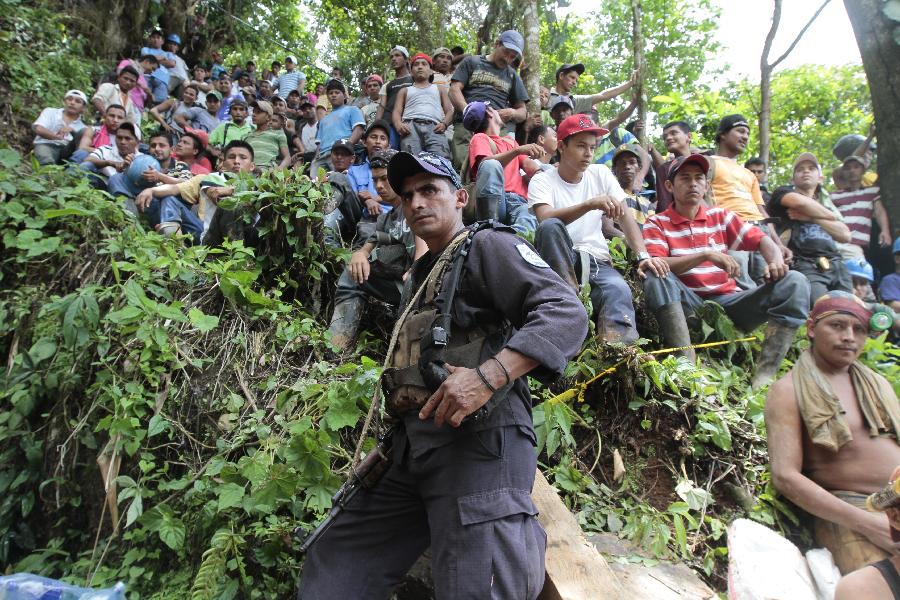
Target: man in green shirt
270,146
228,131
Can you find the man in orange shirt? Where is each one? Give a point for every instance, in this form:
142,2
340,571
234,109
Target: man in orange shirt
736,188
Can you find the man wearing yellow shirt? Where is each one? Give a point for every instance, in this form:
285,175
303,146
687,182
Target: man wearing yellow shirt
736,188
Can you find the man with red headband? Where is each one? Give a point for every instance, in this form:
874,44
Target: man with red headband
832,426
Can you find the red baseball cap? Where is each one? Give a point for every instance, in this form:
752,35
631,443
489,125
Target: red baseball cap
578,124
201,135
691,159
421,55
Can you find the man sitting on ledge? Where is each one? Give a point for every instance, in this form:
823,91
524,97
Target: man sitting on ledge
695,241
832,426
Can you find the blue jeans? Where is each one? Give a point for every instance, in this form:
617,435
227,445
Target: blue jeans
173,209
492,201
158,89
785,301
610,294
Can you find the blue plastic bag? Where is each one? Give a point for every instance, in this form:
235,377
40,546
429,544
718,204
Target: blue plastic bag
25,586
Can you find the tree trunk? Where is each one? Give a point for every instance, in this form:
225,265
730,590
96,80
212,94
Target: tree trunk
532,56
766,68
638,48
879,46
765,86
483,38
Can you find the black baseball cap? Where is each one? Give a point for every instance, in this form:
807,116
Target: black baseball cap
577,67
730,122
405,165
343,144
378,124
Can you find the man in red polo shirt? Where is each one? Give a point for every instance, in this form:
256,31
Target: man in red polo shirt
695,241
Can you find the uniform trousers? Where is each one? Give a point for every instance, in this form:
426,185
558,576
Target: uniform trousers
469,500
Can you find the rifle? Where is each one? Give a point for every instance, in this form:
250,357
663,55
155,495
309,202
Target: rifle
365,475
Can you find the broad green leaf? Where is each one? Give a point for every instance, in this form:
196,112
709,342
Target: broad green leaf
230,494
157,425
134,510
202,321
41,350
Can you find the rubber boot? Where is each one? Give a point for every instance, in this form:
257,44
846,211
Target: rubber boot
487,207
345,322
778,341
674,329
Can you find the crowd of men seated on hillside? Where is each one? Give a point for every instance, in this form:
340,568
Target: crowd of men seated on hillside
701,226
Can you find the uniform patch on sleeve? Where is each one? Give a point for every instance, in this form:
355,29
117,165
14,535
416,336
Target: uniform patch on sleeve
530,256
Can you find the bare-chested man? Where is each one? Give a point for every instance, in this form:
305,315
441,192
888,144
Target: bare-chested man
832,425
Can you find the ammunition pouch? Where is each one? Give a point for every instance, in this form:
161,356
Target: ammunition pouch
389,259
408,388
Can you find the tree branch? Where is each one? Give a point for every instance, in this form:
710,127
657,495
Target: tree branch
764,65
800,35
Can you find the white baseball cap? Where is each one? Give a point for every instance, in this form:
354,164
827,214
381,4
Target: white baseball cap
76,94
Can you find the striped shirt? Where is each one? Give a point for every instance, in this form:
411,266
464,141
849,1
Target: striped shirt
857,208
711,230
288,82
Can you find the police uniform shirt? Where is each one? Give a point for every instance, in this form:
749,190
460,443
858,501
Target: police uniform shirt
504,279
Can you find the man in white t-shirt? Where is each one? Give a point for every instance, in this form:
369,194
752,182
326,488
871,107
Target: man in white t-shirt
569,203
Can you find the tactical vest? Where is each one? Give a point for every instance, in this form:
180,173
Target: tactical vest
423,346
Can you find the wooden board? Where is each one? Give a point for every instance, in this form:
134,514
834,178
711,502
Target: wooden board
575,569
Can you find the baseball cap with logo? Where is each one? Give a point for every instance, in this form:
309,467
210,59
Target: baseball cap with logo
405,165
343,144
512,40
578,124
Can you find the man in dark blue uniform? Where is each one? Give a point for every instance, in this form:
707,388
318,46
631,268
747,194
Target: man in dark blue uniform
463,453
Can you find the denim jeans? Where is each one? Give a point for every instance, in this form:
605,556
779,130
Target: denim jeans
785,301
492,201
173,209
610,294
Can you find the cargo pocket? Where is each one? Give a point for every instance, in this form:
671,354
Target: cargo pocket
502,547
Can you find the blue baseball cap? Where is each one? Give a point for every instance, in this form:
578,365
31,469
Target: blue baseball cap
404,165
513,40
174,37
474,114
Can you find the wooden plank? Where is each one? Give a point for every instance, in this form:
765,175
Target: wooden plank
575,569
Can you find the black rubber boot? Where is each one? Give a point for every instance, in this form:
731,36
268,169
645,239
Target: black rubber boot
345,322
778,341
674,329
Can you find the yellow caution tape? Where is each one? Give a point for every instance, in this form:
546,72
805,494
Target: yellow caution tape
579,390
